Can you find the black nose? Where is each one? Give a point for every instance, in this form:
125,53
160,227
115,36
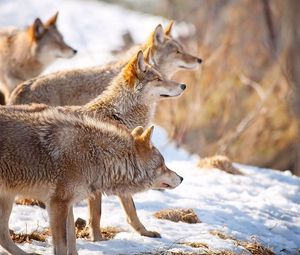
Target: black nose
74,51
181,179
182,86
199,60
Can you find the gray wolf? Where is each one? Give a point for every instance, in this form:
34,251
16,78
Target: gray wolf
108,159
25,53
129,100
78,87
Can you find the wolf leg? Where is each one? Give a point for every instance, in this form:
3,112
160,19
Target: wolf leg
133,219
2,98
58,214
6,242
94,204
71,234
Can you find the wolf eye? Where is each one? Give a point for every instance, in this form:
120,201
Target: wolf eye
178,52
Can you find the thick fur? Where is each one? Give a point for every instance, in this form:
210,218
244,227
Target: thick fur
78,87
107,159
24,54
129,100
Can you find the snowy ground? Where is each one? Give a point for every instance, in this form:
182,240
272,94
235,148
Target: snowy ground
262,203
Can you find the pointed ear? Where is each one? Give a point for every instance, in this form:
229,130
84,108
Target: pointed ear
168,29
138,131
141,65
52,20
158,35
147,135
37,29
147,53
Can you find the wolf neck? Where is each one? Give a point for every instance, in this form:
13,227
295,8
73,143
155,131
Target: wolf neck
26,64
121,175
124,104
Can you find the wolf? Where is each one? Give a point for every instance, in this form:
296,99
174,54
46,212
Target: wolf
108,159
77,87
24,54
130,100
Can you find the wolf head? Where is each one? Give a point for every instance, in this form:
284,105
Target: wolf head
143,77
47,43
152,162
167,54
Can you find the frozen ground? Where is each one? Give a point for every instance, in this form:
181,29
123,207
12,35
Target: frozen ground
262,203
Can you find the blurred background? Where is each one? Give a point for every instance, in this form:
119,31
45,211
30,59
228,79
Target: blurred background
242,102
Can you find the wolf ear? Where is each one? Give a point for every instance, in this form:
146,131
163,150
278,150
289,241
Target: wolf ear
147,135
168,29
52,20
158,35
37,29
141,65
138,131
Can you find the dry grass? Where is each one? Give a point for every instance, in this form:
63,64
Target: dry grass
108,233
255,248
177,214
205,252
30,202
28,238
82,231
221,235
195,244
234,79
221,162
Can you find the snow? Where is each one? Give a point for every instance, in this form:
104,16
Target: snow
264,204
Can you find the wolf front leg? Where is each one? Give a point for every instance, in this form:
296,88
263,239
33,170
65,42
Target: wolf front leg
58,213
6,203
94,205
132,218
71,233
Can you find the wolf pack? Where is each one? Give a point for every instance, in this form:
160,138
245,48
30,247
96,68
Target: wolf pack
78,134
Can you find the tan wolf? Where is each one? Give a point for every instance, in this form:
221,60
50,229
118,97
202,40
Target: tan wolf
77,87
108,159
130,100
24,54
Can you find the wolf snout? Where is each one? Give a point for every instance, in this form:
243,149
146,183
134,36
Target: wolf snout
199,60
182,86
74,51
181,179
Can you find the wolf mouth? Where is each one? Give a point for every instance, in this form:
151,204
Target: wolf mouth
187,67
164,95
167,186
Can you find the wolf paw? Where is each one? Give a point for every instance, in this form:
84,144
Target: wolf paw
152,234
95,237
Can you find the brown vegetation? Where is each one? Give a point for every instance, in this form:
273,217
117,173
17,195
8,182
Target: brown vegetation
254,247
176,215
206,252
30,202
238,102
221,162
28,238
82,231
